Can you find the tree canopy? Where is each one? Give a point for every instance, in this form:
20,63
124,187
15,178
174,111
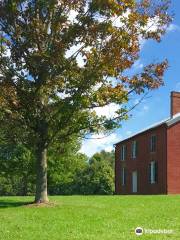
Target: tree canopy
69,172
60,60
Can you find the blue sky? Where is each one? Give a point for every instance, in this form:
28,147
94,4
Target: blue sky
157,106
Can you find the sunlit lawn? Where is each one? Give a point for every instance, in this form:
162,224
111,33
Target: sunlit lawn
89,217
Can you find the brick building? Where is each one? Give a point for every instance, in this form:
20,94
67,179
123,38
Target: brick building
149,161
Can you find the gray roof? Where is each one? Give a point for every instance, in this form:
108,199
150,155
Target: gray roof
168,121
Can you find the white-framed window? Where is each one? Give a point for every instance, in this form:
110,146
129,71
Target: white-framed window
134,149
123,152
153,143
153,172
123,176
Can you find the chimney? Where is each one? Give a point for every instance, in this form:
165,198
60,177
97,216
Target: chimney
175,103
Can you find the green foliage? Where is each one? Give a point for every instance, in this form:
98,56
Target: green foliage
75,174
108,157
62,172
98,176
69,172
17,170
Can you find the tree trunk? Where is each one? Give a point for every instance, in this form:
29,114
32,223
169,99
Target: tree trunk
41,177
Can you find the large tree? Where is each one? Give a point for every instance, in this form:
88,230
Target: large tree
60,60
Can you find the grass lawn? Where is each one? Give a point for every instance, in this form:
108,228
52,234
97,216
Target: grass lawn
89,217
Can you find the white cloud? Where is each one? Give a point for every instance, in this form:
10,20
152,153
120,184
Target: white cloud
117,21
63,95
108,111
152,25
98,143
109,148
178,87
138,65
128,133
136,101
145,108
72,51
7,53
97,86
72,15
173,27
142,42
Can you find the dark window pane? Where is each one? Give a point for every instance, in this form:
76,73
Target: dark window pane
156,172
153,143
149,172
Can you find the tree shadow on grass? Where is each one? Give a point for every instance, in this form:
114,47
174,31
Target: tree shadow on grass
6,203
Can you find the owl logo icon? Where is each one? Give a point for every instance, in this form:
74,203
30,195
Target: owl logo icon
138,231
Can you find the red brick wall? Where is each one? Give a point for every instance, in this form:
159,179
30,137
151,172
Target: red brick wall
144,157
175,103
173,156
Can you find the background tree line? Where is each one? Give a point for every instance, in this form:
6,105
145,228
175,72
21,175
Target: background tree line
69,172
